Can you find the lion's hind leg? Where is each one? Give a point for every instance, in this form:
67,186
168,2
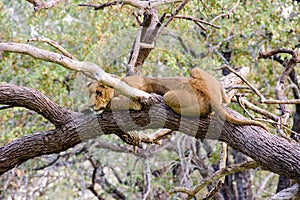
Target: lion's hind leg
185,102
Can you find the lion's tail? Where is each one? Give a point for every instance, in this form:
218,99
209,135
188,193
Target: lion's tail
225,115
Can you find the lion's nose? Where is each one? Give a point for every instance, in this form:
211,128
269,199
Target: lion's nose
101,108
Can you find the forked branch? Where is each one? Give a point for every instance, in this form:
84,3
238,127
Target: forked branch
216,176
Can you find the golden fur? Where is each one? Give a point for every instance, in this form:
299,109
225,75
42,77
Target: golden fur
197,95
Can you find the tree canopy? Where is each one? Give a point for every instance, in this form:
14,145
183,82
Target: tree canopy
50,52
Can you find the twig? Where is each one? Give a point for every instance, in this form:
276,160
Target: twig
220,173
221,166
39,5
134,3
184,46
103,182
277,51
147,179
227,13
175,12
222,57
102,6
246,81
194,19
3,107
257,109
131,70
92,186
47,165
54,44
273,101
233,80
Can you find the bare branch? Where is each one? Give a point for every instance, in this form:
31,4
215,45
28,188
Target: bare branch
131,70
277,51
175,12
39,5
147,178
220,173
69,63
101,6
221,181
194,19
54,44
261,96
289,67
257,109
227,13
273,101
133,3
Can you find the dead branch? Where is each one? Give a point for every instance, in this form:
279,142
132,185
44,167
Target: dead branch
184,46
131,69
227,13
94,70
133,3
222,165
39,5
194,19
220,173
147,179
257,109
289,67
292,192
54,44
175,12
257,92
274,52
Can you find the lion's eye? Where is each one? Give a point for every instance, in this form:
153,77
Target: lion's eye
99,93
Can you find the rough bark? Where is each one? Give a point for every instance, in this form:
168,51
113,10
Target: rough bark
243,181
272,152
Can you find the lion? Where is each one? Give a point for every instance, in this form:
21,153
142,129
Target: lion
196,96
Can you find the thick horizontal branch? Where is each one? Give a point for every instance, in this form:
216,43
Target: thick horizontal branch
270,151
15,96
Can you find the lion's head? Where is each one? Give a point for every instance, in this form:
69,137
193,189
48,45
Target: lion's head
100,95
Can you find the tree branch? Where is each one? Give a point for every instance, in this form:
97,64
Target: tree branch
94,70
221,173
133,3
39,5
270,151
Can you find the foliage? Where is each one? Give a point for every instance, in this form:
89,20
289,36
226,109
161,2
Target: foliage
105,37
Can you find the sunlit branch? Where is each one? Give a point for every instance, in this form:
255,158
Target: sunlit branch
82,66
